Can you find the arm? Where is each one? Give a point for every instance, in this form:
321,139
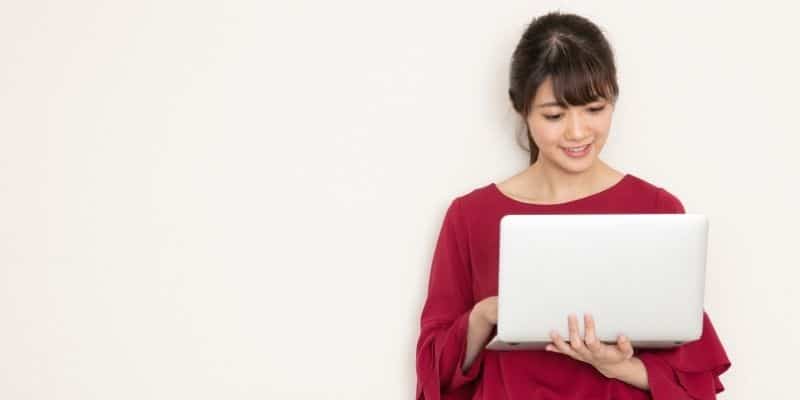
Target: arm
480,330
692,370
444,323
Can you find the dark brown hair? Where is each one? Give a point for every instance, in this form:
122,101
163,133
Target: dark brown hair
573,52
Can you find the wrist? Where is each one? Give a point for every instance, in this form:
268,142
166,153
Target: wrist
476,318
615,371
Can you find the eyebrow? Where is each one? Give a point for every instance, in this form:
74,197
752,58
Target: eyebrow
555,103
552,103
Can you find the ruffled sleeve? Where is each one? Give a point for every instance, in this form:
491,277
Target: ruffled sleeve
441,346
689,371
692,370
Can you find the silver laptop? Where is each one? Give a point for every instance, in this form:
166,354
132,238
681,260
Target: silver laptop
641,275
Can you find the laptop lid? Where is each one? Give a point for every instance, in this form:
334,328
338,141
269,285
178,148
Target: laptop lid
642,275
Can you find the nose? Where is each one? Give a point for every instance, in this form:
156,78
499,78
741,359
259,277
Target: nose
575,130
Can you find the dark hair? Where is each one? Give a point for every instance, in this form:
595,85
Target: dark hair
573,52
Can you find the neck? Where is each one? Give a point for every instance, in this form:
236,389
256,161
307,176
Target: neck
556,184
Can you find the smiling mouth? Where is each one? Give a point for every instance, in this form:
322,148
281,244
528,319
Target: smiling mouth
577,149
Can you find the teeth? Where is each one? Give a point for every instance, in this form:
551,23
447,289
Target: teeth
576,149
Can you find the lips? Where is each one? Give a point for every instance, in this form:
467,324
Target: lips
578,151
577,147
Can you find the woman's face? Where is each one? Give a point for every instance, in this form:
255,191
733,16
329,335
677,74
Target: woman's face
555,129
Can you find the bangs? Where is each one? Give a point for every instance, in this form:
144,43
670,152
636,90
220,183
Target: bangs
578,76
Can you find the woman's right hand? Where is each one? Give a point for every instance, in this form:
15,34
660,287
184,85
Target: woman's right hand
486,310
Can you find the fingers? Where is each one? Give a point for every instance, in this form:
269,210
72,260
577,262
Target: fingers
575,339
625,345
562,346
589,349
591,336
574,335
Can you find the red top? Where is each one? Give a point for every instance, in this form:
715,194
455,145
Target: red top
464,271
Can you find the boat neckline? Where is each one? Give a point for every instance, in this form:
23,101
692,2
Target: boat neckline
497,190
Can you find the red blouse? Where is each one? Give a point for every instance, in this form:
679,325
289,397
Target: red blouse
464,271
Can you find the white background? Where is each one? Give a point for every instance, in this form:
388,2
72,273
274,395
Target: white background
240,199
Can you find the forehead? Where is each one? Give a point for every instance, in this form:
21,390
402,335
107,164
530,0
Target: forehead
544,93
545,96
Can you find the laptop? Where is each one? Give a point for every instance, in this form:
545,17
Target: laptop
641,275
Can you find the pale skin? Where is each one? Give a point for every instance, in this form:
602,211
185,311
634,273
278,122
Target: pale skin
555,178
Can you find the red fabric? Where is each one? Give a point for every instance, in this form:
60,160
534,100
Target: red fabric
464,271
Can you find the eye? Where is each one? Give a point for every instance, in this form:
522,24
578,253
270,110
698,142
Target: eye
553,117
597,109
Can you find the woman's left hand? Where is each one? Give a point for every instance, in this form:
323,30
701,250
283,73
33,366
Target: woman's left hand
606,358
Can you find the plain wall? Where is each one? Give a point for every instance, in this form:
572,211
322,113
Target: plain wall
240,199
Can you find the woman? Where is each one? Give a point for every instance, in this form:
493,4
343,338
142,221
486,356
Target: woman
563,84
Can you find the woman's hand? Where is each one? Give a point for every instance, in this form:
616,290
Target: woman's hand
603,357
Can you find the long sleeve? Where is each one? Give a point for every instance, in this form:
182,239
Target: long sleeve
692,370
441,347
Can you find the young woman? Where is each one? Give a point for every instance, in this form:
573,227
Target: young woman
563,84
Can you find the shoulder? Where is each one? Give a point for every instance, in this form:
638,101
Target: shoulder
467,206
668,203
474,201
663,200
460,203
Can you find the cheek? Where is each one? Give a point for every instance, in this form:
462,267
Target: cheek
546,135
602,125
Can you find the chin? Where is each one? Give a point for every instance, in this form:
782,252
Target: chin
577,166
576,170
